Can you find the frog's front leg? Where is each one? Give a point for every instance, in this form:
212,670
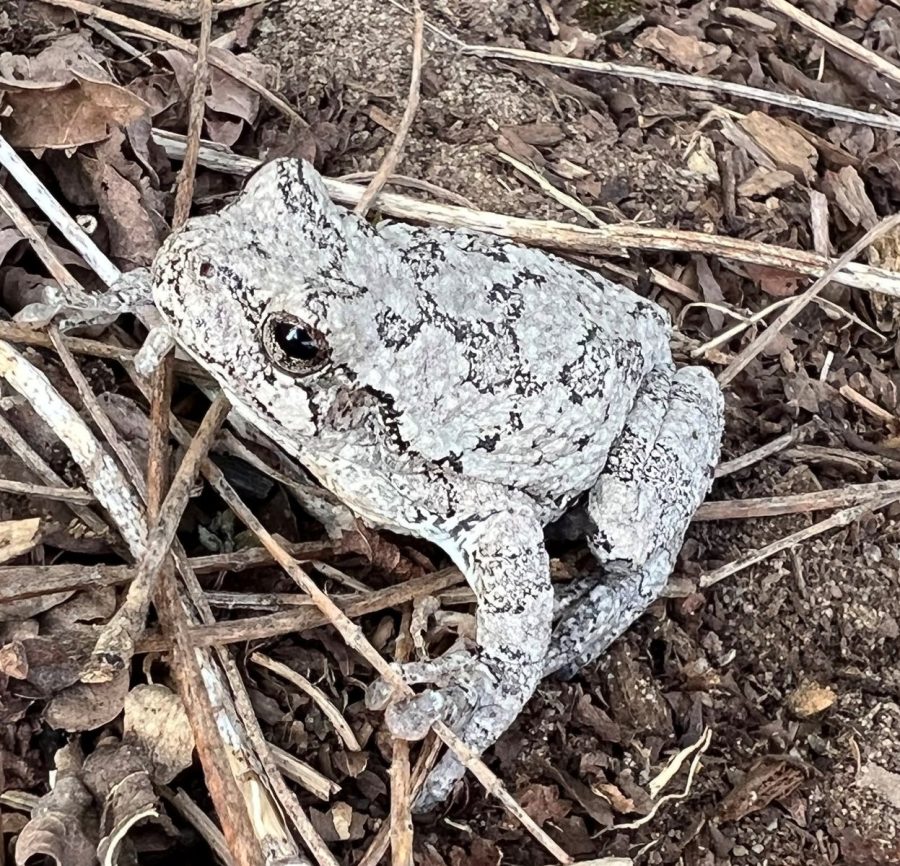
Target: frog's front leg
501,552
658,473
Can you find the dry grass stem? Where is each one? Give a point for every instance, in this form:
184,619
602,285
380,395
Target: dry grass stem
691,82
42,491
303,774
795,503
200,821
320,699
294,621
392,157
729,467
835,39
867,405
563,198
841,518
799,302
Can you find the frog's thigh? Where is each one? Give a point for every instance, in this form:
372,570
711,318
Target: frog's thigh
642,509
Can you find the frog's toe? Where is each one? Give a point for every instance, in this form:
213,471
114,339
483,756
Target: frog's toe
460,681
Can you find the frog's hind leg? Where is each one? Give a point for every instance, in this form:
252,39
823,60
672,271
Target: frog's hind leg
659,472
500,549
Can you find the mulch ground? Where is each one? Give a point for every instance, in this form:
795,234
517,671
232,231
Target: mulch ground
779,686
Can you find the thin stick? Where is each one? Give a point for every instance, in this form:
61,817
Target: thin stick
796,503
835,39
606,240
867,405
402,837
184,190
42,491
321,700
223,60
783,442
841,518
746,355
57,269
118,41
392,157
57,214
692,82
115,646
563,198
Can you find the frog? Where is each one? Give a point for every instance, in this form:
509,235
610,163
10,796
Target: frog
459,388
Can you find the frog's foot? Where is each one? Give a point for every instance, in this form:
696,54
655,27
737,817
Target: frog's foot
501,552
641,506
476,698
131,293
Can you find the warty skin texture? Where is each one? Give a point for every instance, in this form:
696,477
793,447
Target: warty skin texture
468,392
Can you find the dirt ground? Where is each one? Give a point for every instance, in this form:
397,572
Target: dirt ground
790,666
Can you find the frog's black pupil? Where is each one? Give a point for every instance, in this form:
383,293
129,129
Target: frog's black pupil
296,342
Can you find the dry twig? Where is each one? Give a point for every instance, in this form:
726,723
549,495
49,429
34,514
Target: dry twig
392,157
605,240
329,710
795,503
835,39
839,519
115,646
692,82
798,303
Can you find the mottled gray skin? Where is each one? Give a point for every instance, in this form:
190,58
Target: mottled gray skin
472,391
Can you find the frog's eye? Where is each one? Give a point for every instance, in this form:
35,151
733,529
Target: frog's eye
293,345
206,270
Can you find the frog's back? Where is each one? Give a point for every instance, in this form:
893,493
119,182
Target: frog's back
533,363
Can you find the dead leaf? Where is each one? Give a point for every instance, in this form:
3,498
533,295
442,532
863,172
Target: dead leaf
18,537
117,776
787,148
65,115
342,817
763,182
771,779
702,159
617,800
810,699
87,706
63,826
686,52
848,191
134,236
157,723
543,803
773,281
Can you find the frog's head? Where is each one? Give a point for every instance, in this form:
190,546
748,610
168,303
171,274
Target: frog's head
283,345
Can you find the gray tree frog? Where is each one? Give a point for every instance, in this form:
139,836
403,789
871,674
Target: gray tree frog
465,390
